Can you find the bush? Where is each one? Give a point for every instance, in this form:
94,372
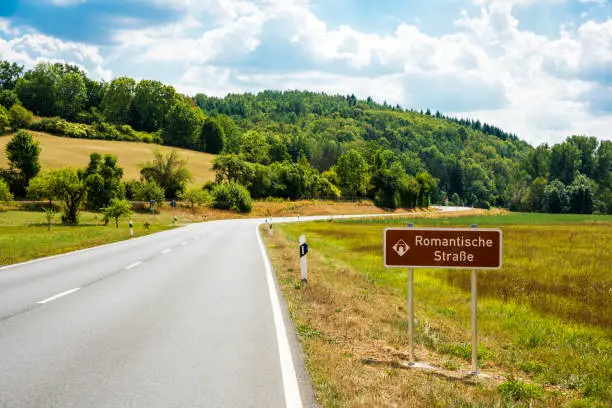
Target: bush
519,390
20,117
4,119
5,194
117,209
195,196
232,196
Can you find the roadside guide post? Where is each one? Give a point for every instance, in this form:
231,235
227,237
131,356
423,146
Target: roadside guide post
173,205
474,320
447,248
131,228
303,252
411,310
152,202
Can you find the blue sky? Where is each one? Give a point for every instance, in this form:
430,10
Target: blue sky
539,68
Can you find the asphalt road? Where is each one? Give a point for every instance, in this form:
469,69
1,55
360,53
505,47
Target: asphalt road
184,318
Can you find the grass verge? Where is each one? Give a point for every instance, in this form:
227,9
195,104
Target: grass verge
544,330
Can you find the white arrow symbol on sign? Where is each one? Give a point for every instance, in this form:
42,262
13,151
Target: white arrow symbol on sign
401,247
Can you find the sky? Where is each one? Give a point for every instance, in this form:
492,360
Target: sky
539,68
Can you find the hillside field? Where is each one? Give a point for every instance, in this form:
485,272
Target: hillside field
545,331
62,151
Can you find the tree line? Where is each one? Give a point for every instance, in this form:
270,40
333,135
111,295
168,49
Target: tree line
294,144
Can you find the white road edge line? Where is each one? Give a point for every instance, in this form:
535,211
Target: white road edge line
59,295
165,251
133,265
290,382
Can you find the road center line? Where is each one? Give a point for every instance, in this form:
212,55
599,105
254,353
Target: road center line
133,265
184,243
165,251
59,295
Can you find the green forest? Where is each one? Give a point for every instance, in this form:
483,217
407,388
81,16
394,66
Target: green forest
300,144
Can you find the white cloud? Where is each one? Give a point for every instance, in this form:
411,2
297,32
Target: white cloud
29,48
533,85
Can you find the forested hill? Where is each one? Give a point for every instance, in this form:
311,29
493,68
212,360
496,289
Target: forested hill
298,144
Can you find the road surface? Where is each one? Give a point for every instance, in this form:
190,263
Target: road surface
184,318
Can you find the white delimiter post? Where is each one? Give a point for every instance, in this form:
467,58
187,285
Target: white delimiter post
411,310
474,320
303,260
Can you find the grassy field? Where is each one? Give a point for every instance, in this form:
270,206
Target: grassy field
62,151
24,235
545,327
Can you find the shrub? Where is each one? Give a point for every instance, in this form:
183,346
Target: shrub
5,194
117,209
4,119
195,196
232,196
519,390
20,117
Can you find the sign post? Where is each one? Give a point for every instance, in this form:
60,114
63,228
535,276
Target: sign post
448,248
411,310
303,252
173,205
474,320
152,202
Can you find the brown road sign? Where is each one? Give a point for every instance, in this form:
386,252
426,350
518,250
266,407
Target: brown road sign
465,248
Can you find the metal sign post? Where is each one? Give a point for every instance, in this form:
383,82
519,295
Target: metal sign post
411,310
474,320
303,252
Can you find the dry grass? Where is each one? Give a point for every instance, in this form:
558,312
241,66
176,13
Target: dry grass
351,318
62,151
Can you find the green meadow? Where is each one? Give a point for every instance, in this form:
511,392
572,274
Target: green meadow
545,327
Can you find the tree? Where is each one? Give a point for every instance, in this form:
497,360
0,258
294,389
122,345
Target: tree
565,162
4,119
43,187
352,170
587,147
5,193
117,100
233,136
116,209
8,98
66,184
152,101
555,197
212,138
23,152
20,117
427,184
536,196
182,127
148,191
103,180
9,73
195,196
229,167
168,171
580,194
36,89
70,95
255,148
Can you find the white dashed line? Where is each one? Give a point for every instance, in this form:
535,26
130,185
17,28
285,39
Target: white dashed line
59,295
184,243
165,251
133,265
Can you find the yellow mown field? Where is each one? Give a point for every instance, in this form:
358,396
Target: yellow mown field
62,151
